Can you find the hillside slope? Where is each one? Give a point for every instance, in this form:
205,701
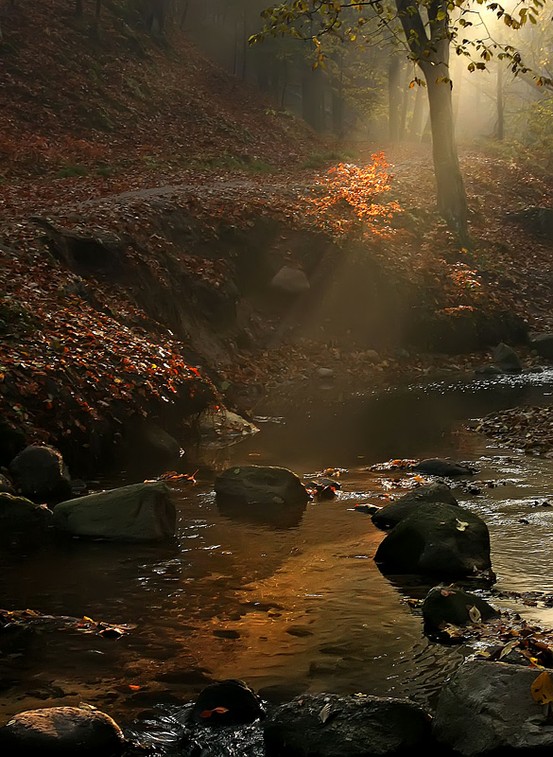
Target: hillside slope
78,97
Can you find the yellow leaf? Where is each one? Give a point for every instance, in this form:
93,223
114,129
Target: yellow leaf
542,688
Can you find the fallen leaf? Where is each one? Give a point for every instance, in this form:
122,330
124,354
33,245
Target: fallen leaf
542,688
215,710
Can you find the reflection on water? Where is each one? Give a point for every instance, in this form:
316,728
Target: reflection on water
298,607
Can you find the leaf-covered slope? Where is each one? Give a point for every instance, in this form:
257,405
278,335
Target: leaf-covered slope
77,95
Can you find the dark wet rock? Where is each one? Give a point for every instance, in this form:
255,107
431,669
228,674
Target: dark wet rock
290,281
19,517
445,605
60,731
488,370
261,485
138,512
436,466
12,441
390,515
149,444
228,702
438,539
485,708
40,474
328,725
6,485
543,344
537,219
506,358
261,494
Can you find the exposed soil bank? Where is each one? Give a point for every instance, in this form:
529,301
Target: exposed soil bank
147,307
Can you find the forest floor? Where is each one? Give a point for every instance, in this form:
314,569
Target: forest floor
163,132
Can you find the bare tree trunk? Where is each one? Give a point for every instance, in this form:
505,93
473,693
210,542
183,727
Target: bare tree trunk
394,98
416,127
430,46
79,8
500,129
450,187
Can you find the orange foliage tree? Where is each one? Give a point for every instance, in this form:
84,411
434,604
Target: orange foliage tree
347,198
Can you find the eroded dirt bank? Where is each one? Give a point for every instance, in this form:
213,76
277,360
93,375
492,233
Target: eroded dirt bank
148,306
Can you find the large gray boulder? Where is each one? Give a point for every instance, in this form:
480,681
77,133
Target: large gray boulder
438,539
261,485
485,708
328,725
138,512
62,732
40,474
390,515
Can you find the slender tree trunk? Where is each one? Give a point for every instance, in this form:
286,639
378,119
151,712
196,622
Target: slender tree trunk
394,98
500,130
430,47
416,127
450,187
78,8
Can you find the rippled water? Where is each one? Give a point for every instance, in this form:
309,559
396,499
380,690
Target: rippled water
288,609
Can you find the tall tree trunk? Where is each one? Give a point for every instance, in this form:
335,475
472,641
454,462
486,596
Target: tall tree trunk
500,128
450,187
78,8
416,127
394,98
430,47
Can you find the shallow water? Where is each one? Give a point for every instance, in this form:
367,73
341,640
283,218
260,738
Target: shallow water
288,608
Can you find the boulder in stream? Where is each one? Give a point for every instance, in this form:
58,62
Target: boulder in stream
261,485
390,515
437,466
327,725
486,708
21,519
265,494
137,512
61,732
438,539
229,702
444,605
40,474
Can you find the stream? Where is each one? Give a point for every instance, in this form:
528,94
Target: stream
287,607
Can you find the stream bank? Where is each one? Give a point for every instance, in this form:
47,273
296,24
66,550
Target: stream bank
123,318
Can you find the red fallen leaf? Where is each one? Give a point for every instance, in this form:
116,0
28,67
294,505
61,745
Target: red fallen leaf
209,713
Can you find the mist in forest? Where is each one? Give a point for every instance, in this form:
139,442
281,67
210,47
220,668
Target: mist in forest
367,88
